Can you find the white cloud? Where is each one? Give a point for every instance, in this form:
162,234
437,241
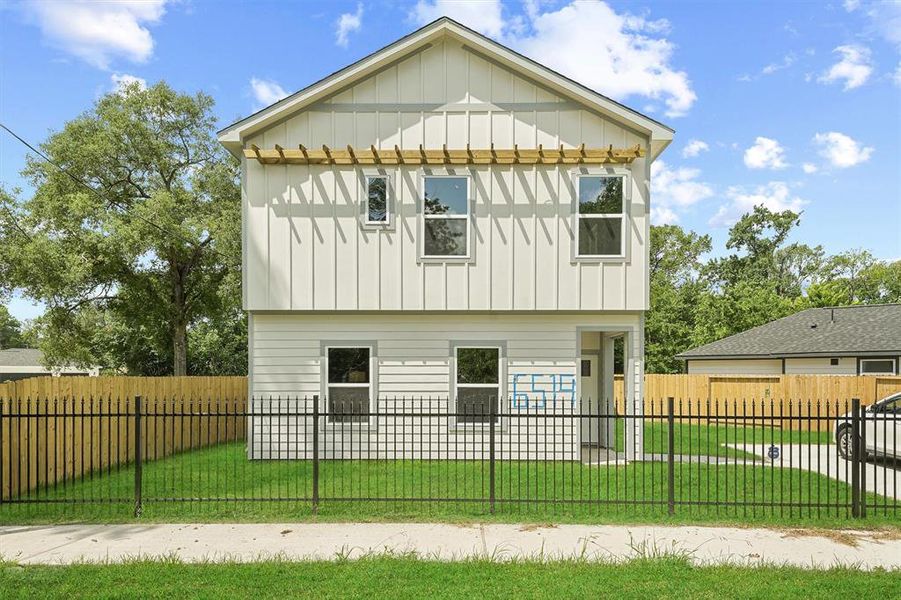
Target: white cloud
775,195
99,32
766,153
266,92
809,168
617,54
661,215
482,15
840,150
851,5
885,19
787,61
693,148
347,24
896,76
854,68
674,189
121,81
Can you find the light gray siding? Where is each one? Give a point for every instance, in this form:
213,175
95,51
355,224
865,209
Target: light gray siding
412,371
735,366
305,248
847,365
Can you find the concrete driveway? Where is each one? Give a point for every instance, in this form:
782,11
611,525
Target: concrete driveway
883,476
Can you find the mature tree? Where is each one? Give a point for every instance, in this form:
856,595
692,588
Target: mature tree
675,258
10,330
129,244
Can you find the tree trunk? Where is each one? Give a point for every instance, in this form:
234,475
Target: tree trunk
179,328
180,348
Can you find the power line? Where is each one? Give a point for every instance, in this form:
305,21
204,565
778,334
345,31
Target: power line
97,193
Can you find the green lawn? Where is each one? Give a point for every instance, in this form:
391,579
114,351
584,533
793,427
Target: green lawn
399,577
697,439
225,486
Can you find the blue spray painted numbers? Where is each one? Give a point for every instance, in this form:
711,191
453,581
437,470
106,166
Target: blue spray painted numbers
535,390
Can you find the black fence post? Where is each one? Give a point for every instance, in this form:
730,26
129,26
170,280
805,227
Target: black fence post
315,454
855,457
671,456
492,412
139,457
863,462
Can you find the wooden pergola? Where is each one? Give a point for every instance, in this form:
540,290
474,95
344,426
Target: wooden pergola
443,156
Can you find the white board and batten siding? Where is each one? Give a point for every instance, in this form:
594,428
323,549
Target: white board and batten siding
305,248
413,369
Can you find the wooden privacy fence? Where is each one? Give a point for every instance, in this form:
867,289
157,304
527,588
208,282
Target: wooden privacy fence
765,395
63,442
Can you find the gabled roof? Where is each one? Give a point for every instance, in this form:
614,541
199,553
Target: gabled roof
232,136
841,331
21,357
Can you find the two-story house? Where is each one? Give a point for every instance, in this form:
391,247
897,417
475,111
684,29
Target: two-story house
446,219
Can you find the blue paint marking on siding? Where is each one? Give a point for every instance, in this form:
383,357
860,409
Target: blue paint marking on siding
536,390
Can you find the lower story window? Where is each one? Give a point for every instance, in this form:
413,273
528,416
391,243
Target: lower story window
349,384
477,383
877,366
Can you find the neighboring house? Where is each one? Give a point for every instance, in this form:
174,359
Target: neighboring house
21,363
847,340
446,218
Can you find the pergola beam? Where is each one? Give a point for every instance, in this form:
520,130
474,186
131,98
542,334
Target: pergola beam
444,156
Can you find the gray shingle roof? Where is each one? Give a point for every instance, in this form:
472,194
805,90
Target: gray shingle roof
21,357
848,330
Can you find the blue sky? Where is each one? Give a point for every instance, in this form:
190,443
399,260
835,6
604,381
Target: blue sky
791,104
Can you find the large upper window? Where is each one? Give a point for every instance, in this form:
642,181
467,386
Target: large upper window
445,210
377,200
600,226
478,383
877,366
349,384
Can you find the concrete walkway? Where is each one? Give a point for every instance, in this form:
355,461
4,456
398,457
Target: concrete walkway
327,541
883,476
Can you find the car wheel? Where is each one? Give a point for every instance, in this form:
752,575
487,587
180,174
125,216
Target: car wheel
843,439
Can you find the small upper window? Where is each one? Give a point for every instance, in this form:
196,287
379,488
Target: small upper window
349,385
600,223
445,211
877,366
377,200
478,384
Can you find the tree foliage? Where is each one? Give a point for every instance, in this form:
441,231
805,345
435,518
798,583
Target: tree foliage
764,277
131,244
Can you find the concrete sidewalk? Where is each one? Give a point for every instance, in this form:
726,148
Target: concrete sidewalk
327,541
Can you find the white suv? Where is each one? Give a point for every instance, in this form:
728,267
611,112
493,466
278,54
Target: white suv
882,429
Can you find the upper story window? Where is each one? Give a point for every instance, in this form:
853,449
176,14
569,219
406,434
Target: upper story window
377,210
445,216
601,219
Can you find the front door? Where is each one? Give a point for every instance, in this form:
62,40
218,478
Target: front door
590,399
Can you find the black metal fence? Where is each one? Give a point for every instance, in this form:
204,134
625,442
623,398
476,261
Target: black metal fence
416,456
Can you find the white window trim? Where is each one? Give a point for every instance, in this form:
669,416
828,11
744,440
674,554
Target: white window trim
372,385
367,177
624,216
467,217
501,379
894,362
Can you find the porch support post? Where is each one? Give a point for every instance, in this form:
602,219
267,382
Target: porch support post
634,380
